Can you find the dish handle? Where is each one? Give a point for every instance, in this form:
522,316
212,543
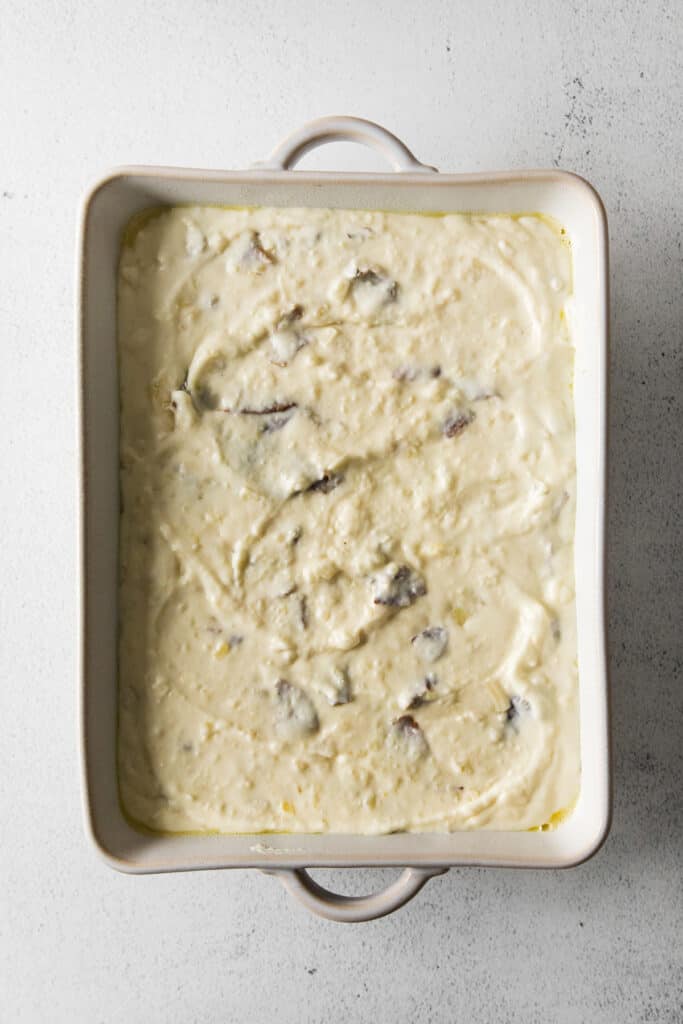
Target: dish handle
352,909
343,129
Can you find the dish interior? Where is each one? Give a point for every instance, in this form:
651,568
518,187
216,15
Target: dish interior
347,488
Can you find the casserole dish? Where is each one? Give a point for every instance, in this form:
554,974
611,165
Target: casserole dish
106,210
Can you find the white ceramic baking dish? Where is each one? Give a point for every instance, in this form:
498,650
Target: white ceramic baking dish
106,209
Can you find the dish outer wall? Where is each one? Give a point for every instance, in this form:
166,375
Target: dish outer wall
105,211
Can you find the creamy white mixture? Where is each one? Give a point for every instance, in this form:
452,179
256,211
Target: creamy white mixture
347,473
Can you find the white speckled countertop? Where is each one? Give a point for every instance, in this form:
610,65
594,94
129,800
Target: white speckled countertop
593,87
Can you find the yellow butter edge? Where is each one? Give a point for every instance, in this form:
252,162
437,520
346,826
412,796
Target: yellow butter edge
556,819
137,223
551,825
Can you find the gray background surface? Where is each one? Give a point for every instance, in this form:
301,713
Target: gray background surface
596,88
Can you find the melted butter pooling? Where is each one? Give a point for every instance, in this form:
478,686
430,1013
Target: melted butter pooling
347,473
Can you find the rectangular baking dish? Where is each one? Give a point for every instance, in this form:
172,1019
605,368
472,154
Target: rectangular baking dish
106,209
